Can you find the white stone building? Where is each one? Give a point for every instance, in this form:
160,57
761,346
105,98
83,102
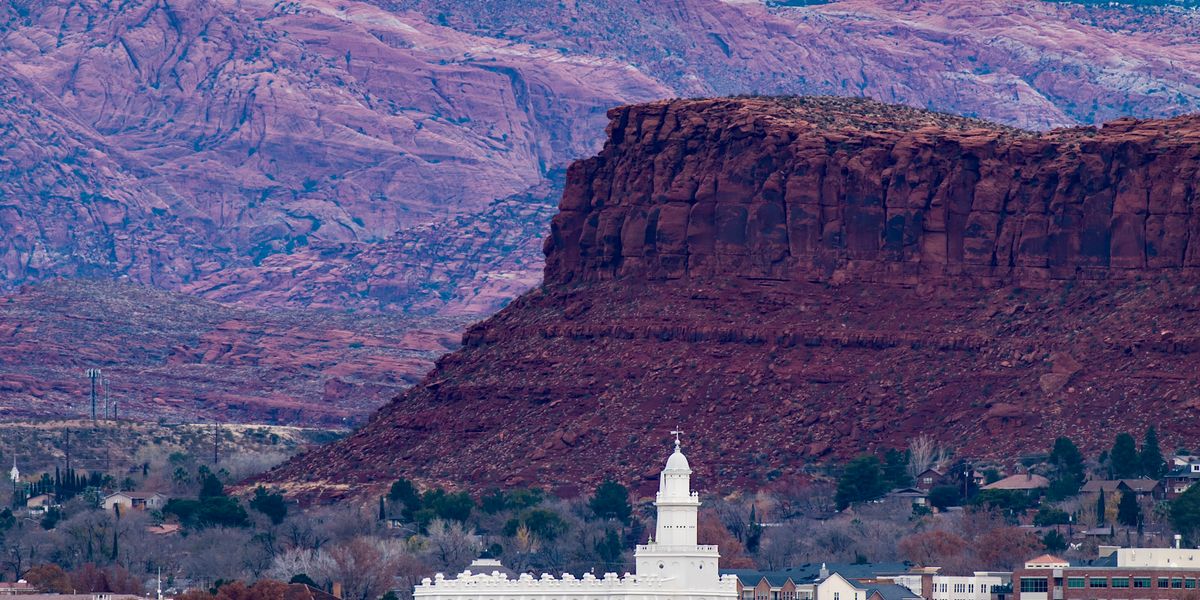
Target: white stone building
671,566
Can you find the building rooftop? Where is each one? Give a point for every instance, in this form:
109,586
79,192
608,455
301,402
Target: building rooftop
1094,486
811,572
891,591
1021,481
136,495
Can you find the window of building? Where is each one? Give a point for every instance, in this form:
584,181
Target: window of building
970,588
837,596
1032,584
1163,582
960,588
1177,583
1141,582
1120,582
1075,582
1189,583
1098,582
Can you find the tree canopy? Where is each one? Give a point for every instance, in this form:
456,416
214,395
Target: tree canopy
1125,461
861,480
1185,514
611,501
1129,513
1151,458
1068,470
269,503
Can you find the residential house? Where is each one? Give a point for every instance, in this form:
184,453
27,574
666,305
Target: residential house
802,582
1021,481
1179,480
1118,574
1188,461
1142,488
40,503
913,495
838,587
928,480
766,585
890,591
135,501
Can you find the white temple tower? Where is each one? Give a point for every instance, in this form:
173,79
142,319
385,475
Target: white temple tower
671,567
674,553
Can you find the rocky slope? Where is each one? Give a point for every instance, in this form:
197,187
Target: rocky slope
400,156
174,357
799,279
219,134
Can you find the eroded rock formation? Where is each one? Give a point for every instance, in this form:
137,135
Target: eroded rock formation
834,190
801,280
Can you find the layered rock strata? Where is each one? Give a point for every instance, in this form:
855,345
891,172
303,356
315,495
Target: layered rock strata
801,280
835,190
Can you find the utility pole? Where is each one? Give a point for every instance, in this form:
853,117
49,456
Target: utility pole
966,481
93,374
67,446
216,443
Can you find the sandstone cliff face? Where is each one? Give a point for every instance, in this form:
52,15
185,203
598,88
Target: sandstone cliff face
798,281
782,190
397,155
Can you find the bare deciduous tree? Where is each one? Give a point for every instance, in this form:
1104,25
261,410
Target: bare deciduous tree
451,546
924,453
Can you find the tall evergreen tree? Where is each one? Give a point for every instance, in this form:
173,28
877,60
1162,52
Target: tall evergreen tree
895,468
1153,464
1068,474
754,532
1101,509
1129,513
861,480
611,501
1126,463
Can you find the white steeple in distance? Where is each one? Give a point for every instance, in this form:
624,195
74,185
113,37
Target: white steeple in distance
14,474
671,567
677,504
673,554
